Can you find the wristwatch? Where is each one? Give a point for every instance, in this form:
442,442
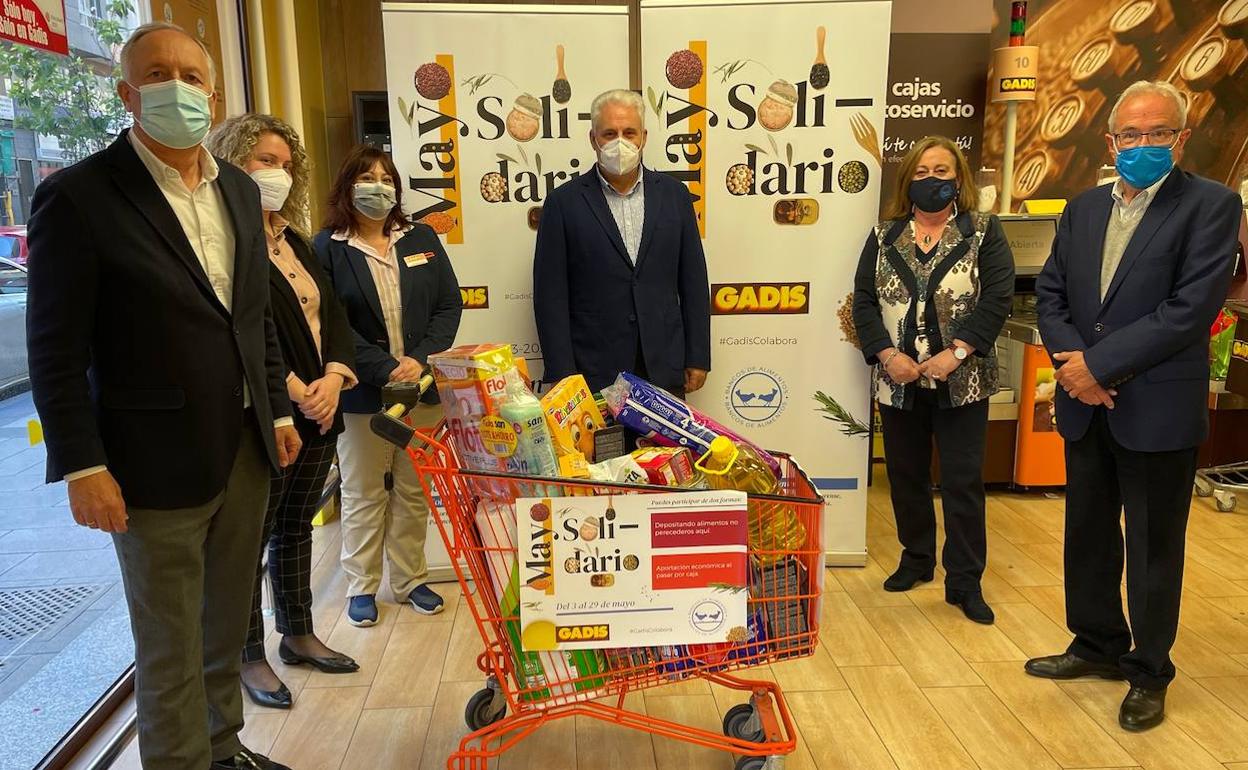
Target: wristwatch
959,352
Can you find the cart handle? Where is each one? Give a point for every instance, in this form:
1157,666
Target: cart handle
402,397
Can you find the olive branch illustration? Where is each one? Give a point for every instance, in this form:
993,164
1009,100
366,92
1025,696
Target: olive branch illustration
476,82
775,149
728,69
849,425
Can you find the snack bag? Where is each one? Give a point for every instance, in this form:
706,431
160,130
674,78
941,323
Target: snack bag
470,380
573,418
665,419
623,470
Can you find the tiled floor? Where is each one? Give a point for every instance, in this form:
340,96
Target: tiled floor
900,681
49,679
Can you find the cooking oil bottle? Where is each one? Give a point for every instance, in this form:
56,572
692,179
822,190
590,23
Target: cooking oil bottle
775,530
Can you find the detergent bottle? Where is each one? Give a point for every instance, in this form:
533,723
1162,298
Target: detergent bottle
535,452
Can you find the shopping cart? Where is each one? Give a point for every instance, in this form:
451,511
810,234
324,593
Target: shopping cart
480,534
1222,482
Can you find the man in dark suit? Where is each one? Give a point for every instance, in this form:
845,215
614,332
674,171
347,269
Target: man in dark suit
158,377
1137,273
619,279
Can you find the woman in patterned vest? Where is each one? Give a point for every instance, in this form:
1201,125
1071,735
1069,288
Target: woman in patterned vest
932,291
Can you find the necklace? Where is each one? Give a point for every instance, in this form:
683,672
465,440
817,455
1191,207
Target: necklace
927,239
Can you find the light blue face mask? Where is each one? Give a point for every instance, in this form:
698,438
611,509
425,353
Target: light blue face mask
1142,166
174,113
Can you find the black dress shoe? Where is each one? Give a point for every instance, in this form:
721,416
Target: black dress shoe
973,605
338,664
272,699
1071,666
1142,709
247,760
906,578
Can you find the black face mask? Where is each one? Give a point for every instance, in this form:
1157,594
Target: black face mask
932,194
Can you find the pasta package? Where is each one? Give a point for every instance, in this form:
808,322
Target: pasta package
666,420
667,466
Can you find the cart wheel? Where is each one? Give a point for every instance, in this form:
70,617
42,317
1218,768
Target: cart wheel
1224,500
741,722
1203,488
481,710
751,763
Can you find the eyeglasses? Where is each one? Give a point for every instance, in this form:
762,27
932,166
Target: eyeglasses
1156,136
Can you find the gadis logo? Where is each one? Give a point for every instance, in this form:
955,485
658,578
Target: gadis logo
756,397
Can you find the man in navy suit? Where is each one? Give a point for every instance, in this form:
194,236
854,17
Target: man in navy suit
1137,273
619,278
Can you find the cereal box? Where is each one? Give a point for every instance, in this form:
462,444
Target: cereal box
573,417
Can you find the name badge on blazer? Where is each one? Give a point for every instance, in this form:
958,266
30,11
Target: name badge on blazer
418,259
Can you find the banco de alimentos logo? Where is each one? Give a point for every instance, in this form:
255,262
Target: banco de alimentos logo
756,397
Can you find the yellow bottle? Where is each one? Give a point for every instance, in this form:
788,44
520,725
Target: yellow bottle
775,530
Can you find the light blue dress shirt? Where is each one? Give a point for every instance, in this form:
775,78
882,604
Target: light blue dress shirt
629,212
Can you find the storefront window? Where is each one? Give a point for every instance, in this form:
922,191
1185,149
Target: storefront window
64,629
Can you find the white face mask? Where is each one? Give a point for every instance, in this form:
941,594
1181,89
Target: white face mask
619,156
274,184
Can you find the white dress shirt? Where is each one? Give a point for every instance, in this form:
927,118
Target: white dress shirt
206,223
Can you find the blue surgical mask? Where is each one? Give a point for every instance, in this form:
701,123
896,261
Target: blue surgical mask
175,113
1142,166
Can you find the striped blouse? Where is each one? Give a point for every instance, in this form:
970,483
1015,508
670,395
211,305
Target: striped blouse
385,272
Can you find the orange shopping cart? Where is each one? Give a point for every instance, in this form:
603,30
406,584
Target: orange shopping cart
525,690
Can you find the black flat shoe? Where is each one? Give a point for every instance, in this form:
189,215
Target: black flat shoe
271,699
906,578
1071,666
973,606
338,664
247,760
1142,709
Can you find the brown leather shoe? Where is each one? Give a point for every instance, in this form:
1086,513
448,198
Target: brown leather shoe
1071,666
1142,709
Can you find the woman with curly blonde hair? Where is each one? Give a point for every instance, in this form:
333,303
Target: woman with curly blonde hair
319,351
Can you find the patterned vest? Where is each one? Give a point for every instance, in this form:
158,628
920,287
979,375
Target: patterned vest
923,305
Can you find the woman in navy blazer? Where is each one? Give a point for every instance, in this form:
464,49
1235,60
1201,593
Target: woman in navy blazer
403,303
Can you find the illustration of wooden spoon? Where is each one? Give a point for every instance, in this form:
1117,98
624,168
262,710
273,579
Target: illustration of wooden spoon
562,90
820,75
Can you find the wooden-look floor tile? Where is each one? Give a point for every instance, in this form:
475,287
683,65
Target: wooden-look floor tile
553,745
1068,734
837,733
887,553
1222,630
411,667
1206,582
260,731
1049,514
814,672
446,724
848,637
365,645
1235,606
694,711
997,590
1212,554
912,731
1049,555
1210,722
974,642
318,732
1013,564
1015,527
920,648
388,739
1195,656
1165,747
611,747
1051,600
464,649
865,585
451,595
1231,690
1031,630
987,729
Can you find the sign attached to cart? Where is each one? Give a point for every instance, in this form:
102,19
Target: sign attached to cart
632,571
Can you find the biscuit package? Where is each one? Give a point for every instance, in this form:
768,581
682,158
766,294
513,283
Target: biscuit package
573,418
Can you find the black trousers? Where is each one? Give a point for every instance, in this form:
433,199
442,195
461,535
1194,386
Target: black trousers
1155,489
294,497
960,435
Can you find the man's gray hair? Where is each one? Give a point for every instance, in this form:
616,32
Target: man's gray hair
621,96
127,50
1141,87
